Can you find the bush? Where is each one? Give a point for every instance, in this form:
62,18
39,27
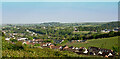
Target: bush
115,48
18,46
37,45
13,40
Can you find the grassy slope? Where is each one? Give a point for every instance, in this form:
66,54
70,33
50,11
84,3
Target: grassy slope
107,43
37,52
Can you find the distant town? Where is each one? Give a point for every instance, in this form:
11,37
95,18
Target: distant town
57,35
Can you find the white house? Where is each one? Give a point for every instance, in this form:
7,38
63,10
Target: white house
116,30
44,44
105,30
76,48
86,51
7,39
61,41
100,52
24,43
22,39
14,34
47,44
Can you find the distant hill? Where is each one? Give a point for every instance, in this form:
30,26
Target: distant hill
91,24
110,25
70,24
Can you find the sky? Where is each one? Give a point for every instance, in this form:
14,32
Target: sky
0,13
65,12
60,0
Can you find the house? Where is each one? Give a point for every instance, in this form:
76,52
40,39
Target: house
61,41
83,50
65,47
27,30
106,52
55,47
58,41
46,44
82,40
22,39
76,48
25,42
105,30
51,46
69,49
44,27
7,39
93,50
49,36
4,32
18,28
60,47
75,29
116,30
74,41
101,51
72,47
13,36
37,40
78,40
14,33
28,43
33,33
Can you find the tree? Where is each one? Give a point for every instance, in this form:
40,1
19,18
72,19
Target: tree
111,33
3,34
13,40
18,46
37,45
116,48
6,45
30,38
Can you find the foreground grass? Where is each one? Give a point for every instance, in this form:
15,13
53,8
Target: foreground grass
37,52
107,43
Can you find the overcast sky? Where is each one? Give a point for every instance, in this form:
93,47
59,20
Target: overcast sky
38,12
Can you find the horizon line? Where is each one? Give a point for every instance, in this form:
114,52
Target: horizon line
60,22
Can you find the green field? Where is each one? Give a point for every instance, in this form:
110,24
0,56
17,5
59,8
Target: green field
107,43
83,32
80,32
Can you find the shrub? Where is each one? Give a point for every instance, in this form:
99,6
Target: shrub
115,48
